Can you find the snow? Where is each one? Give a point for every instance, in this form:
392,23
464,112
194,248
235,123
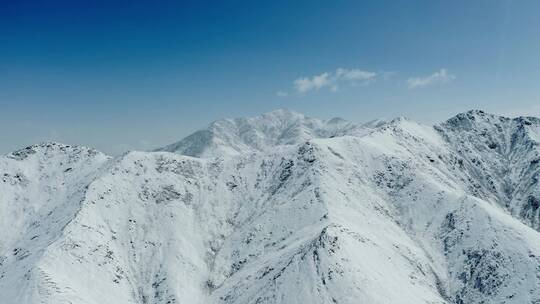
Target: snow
535,133
280,208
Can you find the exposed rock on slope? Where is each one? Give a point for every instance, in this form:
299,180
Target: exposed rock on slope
502,157
295,210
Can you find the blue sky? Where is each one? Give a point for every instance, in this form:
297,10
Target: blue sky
121,75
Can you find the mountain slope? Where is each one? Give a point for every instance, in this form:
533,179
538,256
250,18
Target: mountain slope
502,156
392,212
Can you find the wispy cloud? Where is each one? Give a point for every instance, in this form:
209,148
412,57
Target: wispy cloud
331,81
442,76
315,83
355,75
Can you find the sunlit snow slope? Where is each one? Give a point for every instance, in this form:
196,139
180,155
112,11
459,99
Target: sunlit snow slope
281,208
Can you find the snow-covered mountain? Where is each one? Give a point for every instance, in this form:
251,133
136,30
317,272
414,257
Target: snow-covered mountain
232,137
281,208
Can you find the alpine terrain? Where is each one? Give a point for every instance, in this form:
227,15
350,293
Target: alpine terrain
280,208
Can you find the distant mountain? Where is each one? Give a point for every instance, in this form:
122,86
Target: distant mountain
238,136
281,208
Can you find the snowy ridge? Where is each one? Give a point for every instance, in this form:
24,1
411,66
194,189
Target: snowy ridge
294,210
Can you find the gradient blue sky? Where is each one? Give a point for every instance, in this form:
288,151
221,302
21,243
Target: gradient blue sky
121,75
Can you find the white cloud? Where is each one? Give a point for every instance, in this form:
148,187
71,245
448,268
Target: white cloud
315,83
354,74
442,76
332,80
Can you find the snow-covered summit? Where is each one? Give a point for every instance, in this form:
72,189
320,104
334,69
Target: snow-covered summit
259,133
51,148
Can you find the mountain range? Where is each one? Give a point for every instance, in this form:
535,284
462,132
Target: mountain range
280,208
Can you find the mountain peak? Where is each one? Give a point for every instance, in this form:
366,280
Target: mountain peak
481,120
258,133
476,112
472,118
336,120
51,147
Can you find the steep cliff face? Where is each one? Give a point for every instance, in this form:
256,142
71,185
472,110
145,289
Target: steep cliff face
294,210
